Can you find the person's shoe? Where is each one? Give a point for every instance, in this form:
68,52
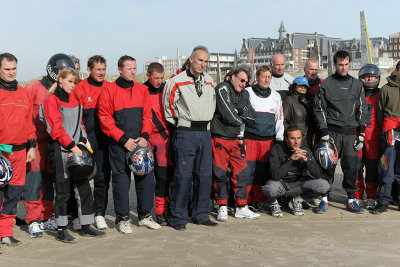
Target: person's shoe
91,232
11,241
354,207
370,204
222,214
360,202
34,229
160,218
76,226
305,205
208,223
317,200
245,212
149,222
64,236
49,225
100,222
322,207
380,208
125,227
276,210
19,221
297,207
179,227
259,207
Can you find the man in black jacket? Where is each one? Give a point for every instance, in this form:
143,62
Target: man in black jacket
341,110
294,171
233,108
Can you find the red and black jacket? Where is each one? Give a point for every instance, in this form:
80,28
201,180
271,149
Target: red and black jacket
125,111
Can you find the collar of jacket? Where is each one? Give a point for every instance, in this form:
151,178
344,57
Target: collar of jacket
61,94
152,89
392,81
277,75
264,93
46,82
8,86
191,75
94,83
314,82
121,82
341,78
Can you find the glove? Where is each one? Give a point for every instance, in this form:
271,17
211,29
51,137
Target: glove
325,138
359,142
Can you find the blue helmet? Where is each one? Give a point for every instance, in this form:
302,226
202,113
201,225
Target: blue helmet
6,170
326,154
140,160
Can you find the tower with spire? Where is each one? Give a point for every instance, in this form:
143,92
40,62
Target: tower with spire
282,31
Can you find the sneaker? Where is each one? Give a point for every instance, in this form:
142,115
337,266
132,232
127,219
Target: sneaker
354,207
322,207
360,202
380,208
11,241
161,220
259,207
317,201
370,204
34,229
125,227
149,223
100,222
76,226
245,212
64,236
49,225
222,214
297,208
276,210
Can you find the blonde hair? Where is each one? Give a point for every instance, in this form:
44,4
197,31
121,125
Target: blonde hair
64,74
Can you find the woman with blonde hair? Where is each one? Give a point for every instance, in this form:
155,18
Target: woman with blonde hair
62,115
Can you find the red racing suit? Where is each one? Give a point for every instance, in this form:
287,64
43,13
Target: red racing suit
17,129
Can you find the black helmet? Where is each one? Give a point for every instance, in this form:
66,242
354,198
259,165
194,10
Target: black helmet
82,167
140,160
58,62
6,170
369,70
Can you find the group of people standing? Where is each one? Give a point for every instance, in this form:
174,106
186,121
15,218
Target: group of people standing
255,141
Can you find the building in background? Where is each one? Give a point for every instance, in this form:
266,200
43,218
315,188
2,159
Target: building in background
394,46
226,62
170,64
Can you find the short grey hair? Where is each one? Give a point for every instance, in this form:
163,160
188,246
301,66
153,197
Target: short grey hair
199,47
310,60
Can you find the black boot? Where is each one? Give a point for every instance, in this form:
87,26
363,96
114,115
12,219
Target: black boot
11,241
380,208
89,231
161,219
64,236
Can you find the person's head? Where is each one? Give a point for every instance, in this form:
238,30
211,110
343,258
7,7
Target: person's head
186,65
96,67
127,68
67,79
263,77
299,85
238,78
311,69
341,62
278,64
77,63
198,60
370,76
293,136
155,74
247,69
396,72
8,67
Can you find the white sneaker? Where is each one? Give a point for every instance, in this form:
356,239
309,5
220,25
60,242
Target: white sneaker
76,226
276,210
100,222
149,223
245,212
125,227
34,229
370,204
49,225
222,214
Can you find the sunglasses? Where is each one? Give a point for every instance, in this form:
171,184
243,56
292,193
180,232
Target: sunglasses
241,80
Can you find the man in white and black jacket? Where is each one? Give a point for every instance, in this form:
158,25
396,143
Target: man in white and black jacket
340,109
294,171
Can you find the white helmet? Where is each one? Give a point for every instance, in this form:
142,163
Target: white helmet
6,170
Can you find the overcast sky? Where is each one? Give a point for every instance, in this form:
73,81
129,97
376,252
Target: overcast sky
35,30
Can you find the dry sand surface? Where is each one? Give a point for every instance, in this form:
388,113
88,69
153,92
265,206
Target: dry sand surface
338,238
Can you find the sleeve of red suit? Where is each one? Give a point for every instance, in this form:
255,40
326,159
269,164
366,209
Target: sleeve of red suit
147,124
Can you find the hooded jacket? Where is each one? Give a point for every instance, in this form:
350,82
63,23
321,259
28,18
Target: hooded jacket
389,103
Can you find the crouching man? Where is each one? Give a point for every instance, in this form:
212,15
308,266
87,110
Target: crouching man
294,171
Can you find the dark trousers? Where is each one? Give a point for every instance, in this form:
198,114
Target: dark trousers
389,172
193,166
344,144
121,182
